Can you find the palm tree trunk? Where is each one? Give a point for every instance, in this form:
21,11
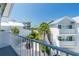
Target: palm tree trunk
44,37
49,37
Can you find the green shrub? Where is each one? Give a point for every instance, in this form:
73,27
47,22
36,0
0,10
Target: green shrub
30,36
15,30
1,30
34,35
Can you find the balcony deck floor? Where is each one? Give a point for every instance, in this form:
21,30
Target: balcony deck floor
7,51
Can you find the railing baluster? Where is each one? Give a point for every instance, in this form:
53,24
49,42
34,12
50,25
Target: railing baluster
57,52
27,47
44,51
32,48
25,41
35,49
39,49
20,48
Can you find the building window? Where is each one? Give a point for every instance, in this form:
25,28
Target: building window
72,22
27,25
65,26
61,38
59,26
65,38
69,38
70,26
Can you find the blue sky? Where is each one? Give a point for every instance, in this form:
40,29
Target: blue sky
37,13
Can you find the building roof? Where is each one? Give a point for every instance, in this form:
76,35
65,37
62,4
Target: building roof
76,19
60,19
10,23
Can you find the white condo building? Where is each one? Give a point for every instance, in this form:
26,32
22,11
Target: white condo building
24,27
65,32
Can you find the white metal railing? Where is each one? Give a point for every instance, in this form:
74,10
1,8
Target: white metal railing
34,49
30,47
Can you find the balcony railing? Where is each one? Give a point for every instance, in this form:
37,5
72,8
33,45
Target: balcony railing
67,31
67,43
30,47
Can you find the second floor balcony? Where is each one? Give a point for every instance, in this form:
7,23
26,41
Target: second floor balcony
67,31
29,47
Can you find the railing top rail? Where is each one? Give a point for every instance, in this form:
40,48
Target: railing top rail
53,47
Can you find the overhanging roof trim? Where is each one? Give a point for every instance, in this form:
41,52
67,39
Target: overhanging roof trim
60,19
7,10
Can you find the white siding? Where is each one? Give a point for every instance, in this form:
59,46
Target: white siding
55,32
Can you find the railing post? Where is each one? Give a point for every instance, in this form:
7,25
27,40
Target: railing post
57,52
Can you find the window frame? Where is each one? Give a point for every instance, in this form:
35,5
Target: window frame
60,26
65,38
70,27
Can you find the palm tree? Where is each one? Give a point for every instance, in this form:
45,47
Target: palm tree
44,30
15,30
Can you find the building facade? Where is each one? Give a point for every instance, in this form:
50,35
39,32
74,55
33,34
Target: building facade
65,32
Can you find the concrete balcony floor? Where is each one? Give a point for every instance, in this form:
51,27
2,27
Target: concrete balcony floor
7,51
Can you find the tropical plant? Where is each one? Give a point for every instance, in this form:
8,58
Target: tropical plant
34,35
1,30
15,30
